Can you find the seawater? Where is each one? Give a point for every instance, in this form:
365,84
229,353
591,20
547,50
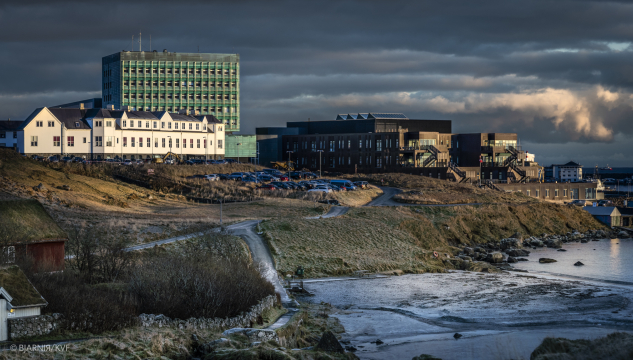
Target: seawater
607,260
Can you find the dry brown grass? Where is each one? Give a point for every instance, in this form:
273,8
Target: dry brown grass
426,190
358,197
616,346
380,239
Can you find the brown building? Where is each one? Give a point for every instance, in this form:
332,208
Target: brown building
555,191
374,143
27,232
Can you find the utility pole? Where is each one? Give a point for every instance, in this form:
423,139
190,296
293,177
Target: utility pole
289,158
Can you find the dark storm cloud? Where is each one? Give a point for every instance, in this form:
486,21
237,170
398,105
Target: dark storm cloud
554,72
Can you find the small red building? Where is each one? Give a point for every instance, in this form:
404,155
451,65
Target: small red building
28,233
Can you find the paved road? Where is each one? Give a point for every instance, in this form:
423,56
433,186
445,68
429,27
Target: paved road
334,212
386,199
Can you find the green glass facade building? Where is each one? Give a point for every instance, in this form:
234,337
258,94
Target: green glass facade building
167,81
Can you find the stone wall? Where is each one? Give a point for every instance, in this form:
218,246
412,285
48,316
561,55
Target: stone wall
243,320
33,325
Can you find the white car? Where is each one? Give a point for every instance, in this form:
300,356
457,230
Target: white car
212,177
321,189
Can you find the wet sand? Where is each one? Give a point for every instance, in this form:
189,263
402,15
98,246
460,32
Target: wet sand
500,315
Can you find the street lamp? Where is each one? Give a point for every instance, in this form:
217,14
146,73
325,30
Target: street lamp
320,151
170,155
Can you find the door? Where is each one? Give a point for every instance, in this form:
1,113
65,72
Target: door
4,325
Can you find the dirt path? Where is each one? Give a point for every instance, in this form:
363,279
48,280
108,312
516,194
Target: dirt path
334,212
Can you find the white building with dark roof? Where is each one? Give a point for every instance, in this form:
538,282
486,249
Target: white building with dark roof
105,134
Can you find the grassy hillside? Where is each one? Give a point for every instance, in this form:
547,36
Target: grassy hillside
380,239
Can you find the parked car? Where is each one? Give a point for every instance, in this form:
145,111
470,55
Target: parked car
267,187
236,176
223,176
265,177
361,184
281,185
220,162
297,186
283,178
343,183
53,159
127,162
605,203
250,179
580,203
78,159
231,161
38,158
212,177
306,184
67,159
321,190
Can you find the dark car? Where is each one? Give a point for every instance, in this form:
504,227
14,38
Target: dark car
361,184
296,185
267,187
281,185
53,159
306,184
223,176
67,159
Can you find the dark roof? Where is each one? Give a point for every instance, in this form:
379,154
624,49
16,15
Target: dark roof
145,115
10,124
19,288
572,163
210,119
625,211
71,117
601,210
183,117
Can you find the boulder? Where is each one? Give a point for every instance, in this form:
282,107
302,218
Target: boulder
561,250
554,243
511,260
465,264
536,243
261,335
39,187
328,342
522,259
623,235
510,243
457,336
518,252
546,260
518,236
584,241
494,258
469,251
578,263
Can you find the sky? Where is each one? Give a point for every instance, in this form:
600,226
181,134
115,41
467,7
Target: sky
558,73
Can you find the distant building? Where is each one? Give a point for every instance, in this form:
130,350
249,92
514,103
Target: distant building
106,134
570,171
167,81
391,142
94,103
9,133
242,148
608,215
270,144
18,298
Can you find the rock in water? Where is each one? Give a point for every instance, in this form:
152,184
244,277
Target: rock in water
494,258
561,250
546,260
329,343
426,357
457,336
578,263
511,260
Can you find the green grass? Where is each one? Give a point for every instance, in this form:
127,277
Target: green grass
13,280
27,220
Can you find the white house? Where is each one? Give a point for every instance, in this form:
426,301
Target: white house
106,133
568,172
18,298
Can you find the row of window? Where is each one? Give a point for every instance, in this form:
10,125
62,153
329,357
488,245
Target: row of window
3,134
590,193
342,144
170,71
334,161
133,142
162,83
170,96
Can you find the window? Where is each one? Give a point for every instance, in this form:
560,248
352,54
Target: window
379,161
125,142
169,125
98,140
39,123
184,143
332,145
33,140
109,141
176,126
163,142
155,124
131,123
56,141
84,140
149,142
590,193
546,193
146,125
197,126
527,192
555,192
51,124
170,142
140,124
219,144
198,143
564,192
124,123
3,135
71,140
190,126
162,125
156,142
108,124
183,126
537,193
191,143
177,141
378,146
132,142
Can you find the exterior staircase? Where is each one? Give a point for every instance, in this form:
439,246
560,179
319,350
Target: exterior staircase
513,169
429,160
458,175
491,185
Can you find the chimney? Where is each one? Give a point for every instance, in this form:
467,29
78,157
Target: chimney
126,108
183,111
196,112
81,106
110,107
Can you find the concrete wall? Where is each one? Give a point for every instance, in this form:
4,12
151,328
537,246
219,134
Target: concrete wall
547,191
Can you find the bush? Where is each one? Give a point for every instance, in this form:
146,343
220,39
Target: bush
183,287
85,307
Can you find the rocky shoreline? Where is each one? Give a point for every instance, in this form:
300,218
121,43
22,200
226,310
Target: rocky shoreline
500,254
